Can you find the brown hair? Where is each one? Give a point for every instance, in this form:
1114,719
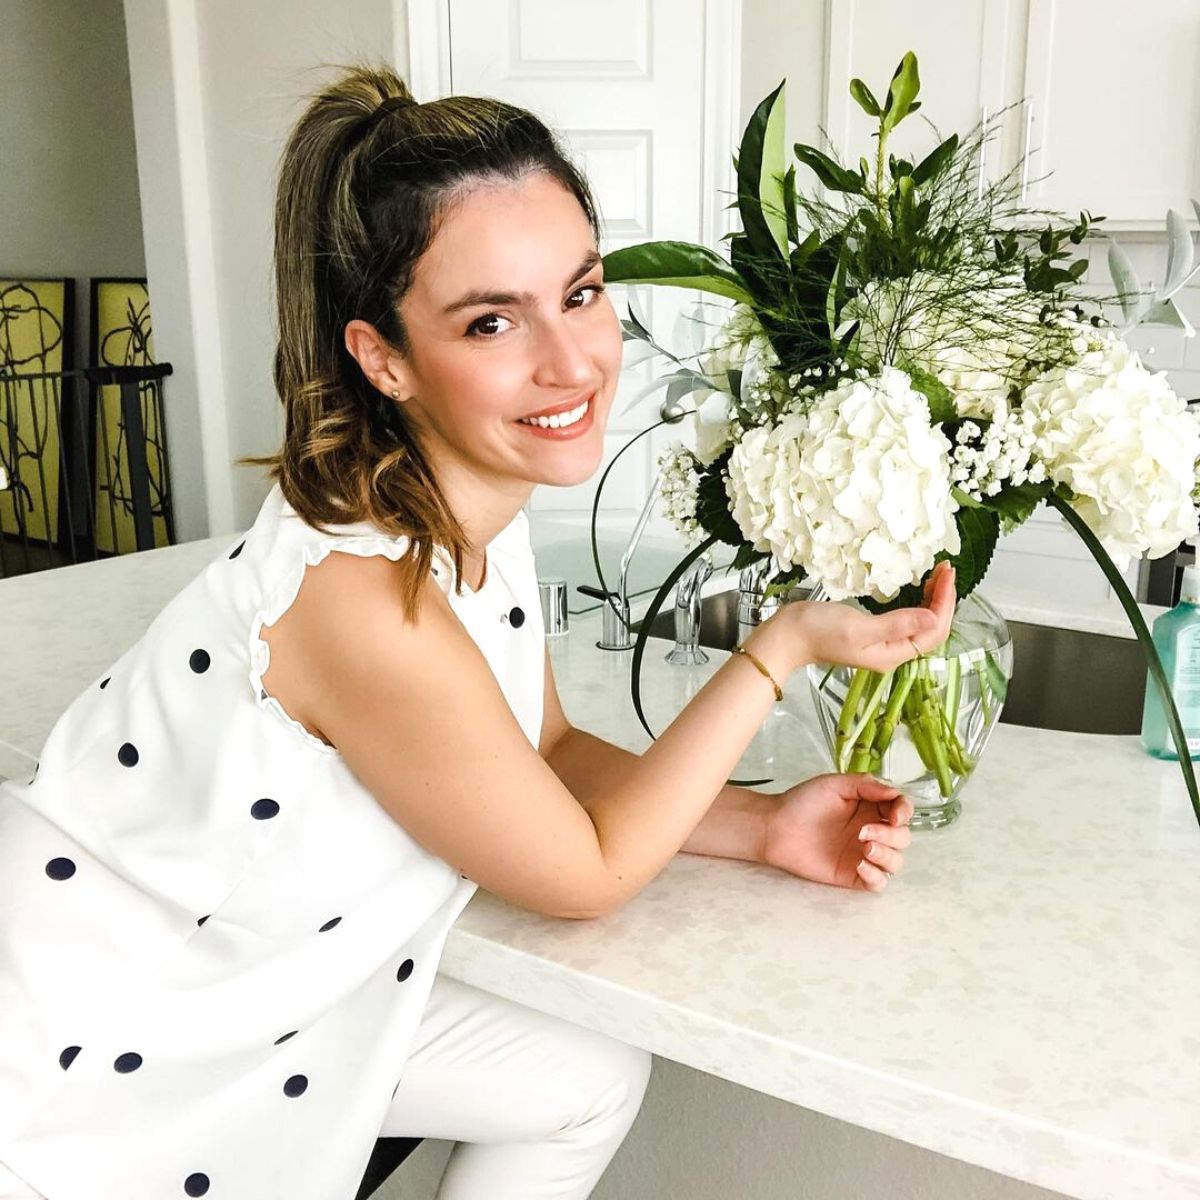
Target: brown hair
365,178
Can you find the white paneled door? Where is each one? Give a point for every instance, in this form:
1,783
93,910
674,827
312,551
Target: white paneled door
642,94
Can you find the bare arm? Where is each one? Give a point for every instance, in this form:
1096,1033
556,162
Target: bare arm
734,825
419,718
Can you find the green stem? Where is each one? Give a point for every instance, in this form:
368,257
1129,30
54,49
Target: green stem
849,713
880,199
871,707
1153,662
891,714
953,687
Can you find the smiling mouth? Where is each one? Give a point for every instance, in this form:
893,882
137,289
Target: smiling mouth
559,420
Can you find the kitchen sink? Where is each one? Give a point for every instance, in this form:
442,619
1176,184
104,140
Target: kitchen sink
1062,678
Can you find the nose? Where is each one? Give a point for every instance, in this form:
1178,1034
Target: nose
562,361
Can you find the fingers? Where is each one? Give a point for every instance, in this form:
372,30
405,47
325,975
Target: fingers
883,844
872,878
867,787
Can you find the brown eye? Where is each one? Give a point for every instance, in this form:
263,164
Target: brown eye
485,326
594,288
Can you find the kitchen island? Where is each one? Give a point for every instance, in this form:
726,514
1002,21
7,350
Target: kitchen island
1022,997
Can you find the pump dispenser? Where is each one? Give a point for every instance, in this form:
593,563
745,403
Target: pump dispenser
1177,638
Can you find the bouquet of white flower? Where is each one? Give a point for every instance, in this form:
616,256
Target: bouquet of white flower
910,368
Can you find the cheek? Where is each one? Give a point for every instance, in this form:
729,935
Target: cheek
607,347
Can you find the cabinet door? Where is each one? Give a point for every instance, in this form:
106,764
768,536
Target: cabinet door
1114,91
630,86
968,52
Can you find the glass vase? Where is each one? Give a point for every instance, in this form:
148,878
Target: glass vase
922,727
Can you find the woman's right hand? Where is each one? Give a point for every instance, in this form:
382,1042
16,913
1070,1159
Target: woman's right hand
819,631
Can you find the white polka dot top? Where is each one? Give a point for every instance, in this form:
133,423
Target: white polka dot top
215,945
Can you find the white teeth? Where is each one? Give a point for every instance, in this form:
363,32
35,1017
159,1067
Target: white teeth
558,420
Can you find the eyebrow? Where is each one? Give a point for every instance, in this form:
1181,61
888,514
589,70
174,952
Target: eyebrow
474,299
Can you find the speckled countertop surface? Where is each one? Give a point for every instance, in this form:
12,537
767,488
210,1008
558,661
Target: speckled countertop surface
1023,996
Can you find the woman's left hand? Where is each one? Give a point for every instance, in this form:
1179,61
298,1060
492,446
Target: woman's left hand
814,831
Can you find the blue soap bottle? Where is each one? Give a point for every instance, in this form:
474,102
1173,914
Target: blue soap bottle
1177,638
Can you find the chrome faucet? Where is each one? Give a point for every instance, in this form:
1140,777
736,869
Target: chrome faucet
615,633
687,650
754,605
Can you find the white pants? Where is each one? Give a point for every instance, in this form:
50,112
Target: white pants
538,1106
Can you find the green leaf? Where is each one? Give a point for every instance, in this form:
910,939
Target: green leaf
978,532
712,504
963,500
833,176
995,677
802,253
1153,662
760,166
941,402
833,296
746,556
902,92
1016,504
934,163
675,264
789,204
862,95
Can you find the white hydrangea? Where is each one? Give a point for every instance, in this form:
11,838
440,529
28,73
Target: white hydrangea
941,325
987,459
1123,442
713,426
680,490
740,345
856,489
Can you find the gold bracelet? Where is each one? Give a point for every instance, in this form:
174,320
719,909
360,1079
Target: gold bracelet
757,662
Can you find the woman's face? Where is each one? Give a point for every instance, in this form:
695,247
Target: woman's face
508,321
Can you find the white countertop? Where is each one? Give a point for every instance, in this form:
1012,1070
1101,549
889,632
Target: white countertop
1022,997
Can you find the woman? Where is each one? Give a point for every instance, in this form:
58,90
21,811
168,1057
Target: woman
229,883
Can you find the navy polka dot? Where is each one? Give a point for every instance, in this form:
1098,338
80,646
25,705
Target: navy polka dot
329,924
264,810
67,1057
128,755
280,1041
516,617
199,661
196,1185
238,550
127,1062
104,682
203,919
296,1086
406,968
60,868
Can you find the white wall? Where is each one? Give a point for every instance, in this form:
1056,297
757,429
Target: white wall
68,171
216,85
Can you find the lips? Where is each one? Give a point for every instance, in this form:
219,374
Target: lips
562,425
558,409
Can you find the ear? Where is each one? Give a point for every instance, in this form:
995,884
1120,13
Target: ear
378,358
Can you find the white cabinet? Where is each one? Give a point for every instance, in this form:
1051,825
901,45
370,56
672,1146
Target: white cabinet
1105,96
1114,94
969,53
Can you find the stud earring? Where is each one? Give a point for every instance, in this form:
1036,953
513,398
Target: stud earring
395,394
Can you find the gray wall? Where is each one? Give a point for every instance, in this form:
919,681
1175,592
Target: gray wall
704,1138
68,168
